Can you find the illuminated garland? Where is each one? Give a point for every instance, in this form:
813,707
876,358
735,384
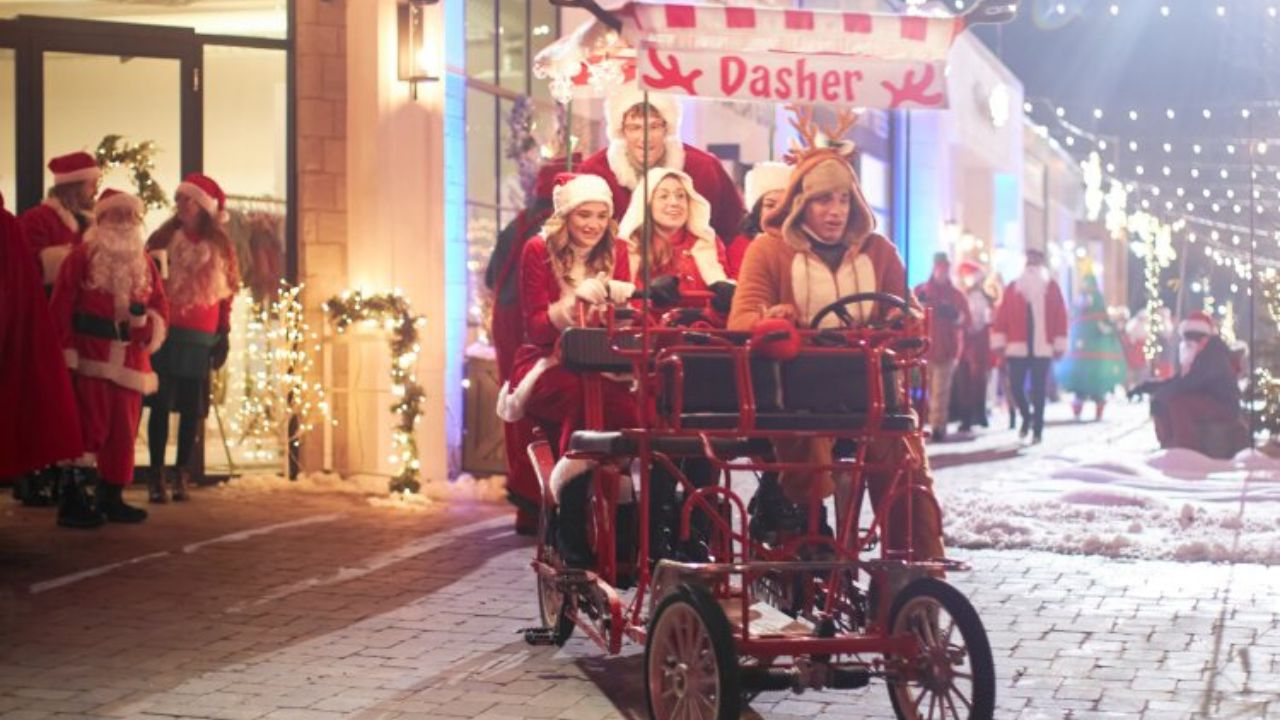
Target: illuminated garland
279,400
391,312
113,152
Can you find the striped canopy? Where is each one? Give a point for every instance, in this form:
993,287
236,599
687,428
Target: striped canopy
877,60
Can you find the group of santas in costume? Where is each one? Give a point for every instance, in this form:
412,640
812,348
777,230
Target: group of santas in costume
124,329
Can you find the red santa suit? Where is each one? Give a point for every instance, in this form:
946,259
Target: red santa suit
698,259
1031,329
705,170
538,386
51,228
111,313
503,279
41,424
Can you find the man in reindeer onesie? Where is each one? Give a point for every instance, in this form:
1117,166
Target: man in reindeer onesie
110,312
818,245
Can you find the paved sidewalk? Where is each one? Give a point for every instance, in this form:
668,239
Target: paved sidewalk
323,607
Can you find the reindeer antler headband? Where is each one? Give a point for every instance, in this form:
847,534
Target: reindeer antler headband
820,138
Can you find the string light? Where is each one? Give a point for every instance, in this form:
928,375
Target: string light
280,399
392,312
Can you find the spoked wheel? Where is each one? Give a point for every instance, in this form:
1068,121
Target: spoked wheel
551,604
953,677
691,669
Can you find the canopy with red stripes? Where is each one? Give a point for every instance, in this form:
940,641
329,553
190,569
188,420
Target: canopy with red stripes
876,60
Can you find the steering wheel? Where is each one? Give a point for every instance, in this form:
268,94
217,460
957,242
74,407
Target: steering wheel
840,308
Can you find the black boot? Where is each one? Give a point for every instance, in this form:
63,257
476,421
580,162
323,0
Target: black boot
111,504
664,520
75,509
156,491
571,523
37,489
181,483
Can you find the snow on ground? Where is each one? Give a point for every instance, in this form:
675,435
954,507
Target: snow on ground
1106,488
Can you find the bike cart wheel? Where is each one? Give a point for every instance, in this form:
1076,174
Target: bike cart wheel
953,678
691,669
551,601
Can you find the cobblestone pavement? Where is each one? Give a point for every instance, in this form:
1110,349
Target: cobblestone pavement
308,606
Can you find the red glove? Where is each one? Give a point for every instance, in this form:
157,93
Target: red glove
775,338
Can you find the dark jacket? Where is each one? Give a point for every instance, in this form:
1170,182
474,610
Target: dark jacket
502,273
1212,373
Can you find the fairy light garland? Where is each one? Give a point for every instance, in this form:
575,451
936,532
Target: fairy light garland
279,399
391,312
114,152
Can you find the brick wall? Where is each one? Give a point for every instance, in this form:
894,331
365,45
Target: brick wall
321,105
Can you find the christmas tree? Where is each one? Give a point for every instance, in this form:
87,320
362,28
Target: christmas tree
1094,364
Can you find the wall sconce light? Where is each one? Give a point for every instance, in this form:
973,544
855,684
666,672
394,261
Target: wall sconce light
415,50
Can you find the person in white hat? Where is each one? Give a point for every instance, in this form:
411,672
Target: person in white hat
57,225
576,259
1206,390
622,164
110,311
765,189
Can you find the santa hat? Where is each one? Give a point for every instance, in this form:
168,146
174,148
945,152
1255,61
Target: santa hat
74,167
969,267
111,199
206,193
625,97
574,189
1198,321
765,177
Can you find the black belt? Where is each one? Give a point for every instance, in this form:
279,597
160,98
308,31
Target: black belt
100,327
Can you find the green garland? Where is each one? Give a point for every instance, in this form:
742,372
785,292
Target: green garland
391,311
114,152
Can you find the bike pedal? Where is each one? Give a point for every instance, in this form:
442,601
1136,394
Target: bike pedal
539,636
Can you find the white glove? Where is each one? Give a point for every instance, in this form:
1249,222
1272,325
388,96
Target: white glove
592,290
620,291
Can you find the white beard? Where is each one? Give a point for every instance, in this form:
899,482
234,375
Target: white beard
117,263
1033,282
197,274
1187,350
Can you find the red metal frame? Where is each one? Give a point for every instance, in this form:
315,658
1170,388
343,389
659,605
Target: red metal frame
663,348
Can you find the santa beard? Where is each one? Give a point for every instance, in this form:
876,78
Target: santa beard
1033,282
197,274
117,263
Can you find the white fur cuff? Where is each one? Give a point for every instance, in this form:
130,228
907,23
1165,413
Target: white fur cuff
159,331
561,312
565,470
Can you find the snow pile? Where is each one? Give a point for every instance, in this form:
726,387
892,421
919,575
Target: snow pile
372,488
1108,491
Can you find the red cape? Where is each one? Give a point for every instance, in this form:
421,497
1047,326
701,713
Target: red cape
39,421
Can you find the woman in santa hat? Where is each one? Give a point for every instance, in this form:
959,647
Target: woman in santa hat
576,259
682,247
766,185
203,275
57,225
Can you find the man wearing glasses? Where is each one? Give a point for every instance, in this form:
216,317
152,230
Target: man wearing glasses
1205,391
622,163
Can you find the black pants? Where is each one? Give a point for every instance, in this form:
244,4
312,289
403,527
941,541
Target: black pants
1038,368
188,397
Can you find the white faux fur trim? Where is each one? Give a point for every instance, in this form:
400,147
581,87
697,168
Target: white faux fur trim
699,224
1199,326
51,259
114,370
625,173
511,401
93,172
565,470
560,312
765,177
159,330
68,218
1016,349
202,198
998,340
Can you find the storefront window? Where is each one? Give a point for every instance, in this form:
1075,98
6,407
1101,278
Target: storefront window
254,18
481,31
513,42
